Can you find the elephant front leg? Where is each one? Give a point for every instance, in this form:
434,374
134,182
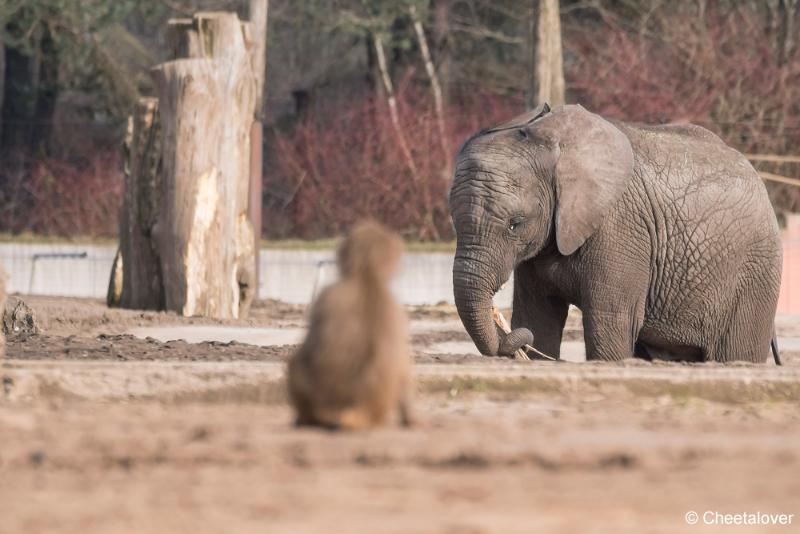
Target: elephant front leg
610,336
544,316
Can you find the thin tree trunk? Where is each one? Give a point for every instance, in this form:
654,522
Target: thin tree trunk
547,80
428,225
441,44
436,88
530,50
392,101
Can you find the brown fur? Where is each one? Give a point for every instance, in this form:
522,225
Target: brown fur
353,369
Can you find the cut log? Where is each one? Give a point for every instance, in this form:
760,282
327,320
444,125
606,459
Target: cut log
206,109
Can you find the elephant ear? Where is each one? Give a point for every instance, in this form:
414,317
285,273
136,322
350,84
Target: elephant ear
594,164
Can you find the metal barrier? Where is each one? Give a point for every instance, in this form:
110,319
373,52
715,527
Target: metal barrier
52,256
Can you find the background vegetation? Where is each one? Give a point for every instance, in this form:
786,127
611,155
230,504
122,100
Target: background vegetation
70,70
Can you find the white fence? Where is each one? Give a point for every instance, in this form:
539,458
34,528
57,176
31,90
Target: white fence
287,275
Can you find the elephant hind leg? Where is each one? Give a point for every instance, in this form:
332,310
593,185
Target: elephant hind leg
747,334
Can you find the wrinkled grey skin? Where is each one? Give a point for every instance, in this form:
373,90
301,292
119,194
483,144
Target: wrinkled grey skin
662,235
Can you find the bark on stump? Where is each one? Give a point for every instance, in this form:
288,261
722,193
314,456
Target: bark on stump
141,285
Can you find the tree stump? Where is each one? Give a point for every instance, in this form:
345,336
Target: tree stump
206,109
141,283
186,241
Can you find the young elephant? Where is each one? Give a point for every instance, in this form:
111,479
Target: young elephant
662,235
354,368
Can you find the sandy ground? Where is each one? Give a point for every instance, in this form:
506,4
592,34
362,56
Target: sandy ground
104,432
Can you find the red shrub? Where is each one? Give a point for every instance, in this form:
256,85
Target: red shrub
728,69
345,162
52,196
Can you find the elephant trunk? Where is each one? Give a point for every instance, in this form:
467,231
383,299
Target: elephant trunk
473,294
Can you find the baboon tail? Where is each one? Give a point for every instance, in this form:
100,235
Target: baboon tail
775,353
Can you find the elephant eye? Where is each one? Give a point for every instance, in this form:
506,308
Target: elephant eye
515,223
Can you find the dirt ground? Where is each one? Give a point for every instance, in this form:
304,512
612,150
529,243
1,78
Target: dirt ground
103,432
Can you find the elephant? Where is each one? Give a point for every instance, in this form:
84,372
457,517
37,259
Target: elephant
663,236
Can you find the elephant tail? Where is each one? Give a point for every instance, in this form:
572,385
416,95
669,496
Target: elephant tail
774,345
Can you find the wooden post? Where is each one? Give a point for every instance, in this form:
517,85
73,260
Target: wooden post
255,196
258,14
547,63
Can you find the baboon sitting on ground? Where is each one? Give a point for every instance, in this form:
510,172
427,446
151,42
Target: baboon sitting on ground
354,368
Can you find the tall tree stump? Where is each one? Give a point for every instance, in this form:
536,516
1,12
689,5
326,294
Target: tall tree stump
206,109
186,243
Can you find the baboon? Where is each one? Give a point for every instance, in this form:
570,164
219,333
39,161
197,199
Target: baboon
353,369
